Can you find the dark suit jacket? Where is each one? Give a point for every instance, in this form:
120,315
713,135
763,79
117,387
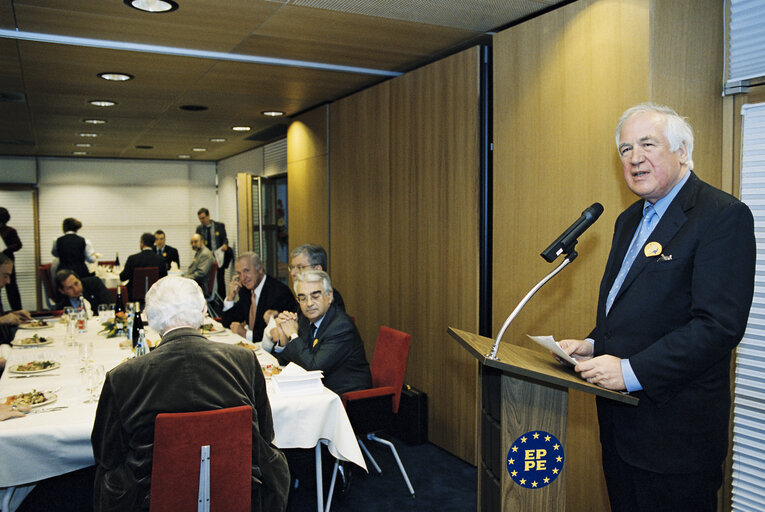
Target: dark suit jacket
145,258
677,321
339,352
185,373
93,290
170,254
219,231
274,295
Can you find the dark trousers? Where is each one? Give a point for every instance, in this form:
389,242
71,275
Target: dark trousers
12,290
632,489
71,492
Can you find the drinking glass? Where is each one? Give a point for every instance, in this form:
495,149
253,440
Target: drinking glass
70,315
85,349
92,379
103,312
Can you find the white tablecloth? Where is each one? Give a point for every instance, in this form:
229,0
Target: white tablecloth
40,446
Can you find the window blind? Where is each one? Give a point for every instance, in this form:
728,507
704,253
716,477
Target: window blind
20,205
749,398
746,42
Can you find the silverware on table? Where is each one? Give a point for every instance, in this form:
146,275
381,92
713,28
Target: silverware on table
35,375
49,409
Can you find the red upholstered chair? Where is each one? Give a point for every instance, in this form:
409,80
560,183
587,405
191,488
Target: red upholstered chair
143,278
178,476
372,410
47,281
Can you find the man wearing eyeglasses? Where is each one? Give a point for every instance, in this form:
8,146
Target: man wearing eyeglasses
327,341
256,292
301,258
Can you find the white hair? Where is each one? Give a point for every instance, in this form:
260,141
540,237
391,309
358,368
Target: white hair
676,128
312,275
175,301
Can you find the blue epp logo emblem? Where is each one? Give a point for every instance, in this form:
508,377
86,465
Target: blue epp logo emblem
535,459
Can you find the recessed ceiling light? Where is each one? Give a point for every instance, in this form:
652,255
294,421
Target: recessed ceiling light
86,134
94,121
102,103
152,5
184,156
273,113
199,150
143,146
241,128
217,139
83,145
193,108
79,153
116,77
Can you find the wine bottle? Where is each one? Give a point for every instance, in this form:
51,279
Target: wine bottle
119,307
137,326
117,260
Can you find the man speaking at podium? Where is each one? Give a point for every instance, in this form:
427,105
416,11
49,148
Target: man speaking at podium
673,303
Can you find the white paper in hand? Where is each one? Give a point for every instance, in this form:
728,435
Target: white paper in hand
550,344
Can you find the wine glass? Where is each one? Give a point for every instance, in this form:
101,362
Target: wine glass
85,350
92,379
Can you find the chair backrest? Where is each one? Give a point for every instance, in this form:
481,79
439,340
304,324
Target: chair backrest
178,439
211,283
389,361
47,281
106,263
143,278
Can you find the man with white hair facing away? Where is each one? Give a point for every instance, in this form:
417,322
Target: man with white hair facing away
185,373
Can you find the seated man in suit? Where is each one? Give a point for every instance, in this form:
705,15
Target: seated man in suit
145,258
257,293
327,340
170,254
308,256
90,290
9,321
185,373
201,265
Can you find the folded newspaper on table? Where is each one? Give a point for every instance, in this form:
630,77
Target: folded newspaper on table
295,380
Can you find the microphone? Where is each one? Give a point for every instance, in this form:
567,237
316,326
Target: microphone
566,242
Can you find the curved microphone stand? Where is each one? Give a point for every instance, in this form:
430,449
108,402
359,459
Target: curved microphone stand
569,258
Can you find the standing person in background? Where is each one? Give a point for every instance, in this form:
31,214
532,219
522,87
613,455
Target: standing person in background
214,235
170,254
72,250
10,244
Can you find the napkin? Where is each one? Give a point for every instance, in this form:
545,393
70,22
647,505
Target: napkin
295,380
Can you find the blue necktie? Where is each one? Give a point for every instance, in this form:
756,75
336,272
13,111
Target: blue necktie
645,229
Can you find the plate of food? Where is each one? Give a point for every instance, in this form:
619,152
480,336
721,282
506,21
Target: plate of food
33,367
33,398
36,324
34,341
210,328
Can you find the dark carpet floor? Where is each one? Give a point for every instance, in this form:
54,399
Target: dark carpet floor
441,481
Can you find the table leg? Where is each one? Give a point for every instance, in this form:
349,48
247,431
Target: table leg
319,482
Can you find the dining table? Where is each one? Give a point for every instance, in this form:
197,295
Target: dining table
54,437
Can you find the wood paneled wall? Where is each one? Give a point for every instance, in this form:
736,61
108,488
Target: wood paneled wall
307,179
404,228
560,83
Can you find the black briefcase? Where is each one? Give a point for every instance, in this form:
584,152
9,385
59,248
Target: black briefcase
411,423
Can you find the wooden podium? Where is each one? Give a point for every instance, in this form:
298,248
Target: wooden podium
524,390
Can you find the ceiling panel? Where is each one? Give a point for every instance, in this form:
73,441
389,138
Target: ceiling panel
45,84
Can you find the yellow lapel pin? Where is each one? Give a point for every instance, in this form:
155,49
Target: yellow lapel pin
652,249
